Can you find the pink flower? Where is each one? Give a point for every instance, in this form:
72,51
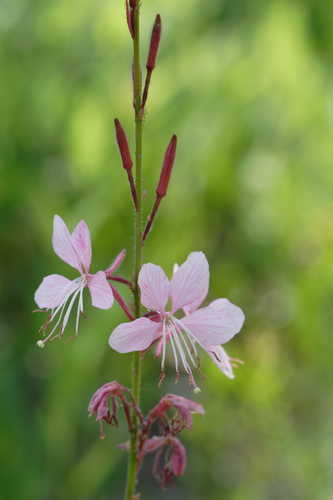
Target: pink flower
184,407
104,404
99,401
57,293
208,326
170,458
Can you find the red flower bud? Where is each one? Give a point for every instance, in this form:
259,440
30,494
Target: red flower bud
169,159
130,19
154,43
123,146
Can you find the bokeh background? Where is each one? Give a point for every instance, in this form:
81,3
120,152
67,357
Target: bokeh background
247,86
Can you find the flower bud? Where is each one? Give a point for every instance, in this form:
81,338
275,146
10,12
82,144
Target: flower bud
123,146
169,159
129,18
154,43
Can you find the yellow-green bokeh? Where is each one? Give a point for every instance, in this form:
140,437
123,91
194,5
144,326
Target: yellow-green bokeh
247,86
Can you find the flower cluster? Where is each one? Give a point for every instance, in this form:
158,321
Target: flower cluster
168,418
57,294
175,323
207,327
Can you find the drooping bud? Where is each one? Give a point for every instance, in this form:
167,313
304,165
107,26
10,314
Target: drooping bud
123,146
154,43
169,159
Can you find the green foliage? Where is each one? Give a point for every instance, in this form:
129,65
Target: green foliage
247,88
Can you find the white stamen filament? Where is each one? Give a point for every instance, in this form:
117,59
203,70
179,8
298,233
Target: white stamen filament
163,345
79,310
189,335
180,349
183,338
174,352
60,309
69,308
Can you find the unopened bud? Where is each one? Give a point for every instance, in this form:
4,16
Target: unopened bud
169,159
123,146
154,43
129,17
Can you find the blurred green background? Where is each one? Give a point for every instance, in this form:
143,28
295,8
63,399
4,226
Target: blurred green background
247,86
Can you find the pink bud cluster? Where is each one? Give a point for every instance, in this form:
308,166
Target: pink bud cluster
169,417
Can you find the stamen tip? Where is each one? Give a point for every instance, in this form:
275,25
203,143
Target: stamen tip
196,390
161,380
40,344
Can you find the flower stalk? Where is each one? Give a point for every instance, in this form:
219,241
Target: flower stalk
132,468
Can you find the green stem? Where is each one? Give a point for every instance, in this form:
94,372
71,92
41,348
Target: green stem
132,468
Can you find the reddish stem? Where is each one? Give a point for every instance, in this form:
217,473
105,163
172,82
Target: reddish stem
121,280
151,217
133,190
146,88
122,303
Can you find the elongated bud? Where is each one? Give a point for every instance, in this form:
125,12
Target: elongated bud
154,43
168,163
129,18
123,146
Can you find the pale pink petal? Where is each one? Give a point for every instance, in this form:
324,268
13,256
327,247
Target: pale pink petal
221,359
134,336
231,315
53,290
100,291
82,244
154,286
189,284
215,324
63,245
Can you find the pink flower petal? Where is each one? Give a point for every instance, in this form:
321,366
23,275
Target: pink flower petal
154,286
100,291
134,336
215,324
233,316
221,359
178,457
53,290
189,284
63,245
82,244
